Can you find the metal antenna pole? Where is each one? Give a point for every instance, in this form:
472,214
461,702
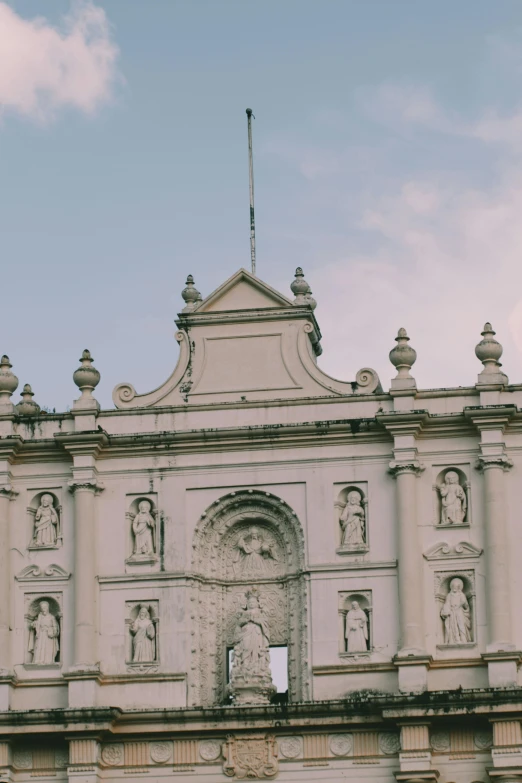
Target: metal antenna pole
251,178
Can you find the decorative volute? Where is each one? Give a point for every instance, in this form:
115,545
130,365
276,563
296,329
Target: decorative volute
86,378
8,384
301,290
190,295
27,406
489,351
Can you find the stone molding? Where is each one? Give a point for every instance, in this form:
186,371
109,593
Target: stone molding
397,468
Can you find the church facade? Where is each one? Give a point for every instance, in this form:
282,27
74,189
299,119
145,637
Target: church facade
256,571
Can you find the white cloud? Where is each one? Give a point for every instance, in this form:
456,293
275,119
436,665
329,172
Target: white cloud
44,69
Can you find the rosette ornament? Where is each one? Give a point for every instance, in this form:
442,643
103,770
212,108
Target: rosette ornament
27,406
86,378
8,384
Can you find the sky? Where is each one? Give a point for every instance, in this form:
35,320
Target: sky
388,164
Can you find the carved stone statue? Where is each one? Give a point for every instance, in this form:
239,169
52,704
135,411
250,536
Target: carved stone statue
46,523
254,555
144,637
144,528
44,636
454,501
353,529
456,615
356,631
250,675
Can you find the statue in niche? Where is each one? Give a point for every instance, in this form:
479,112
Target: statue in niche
143,527
353,530
356,632
250,675
454,501
456,615
44,636
254,555
46,523
144,637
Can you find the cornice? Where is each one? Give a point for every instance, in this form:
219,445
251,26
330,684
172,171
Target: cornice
77,443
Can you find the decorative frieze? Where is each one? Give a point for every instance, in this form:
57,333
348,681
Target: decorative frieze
462,745
252,757
341,744
185,752
291,747
83,752
365,747
315,746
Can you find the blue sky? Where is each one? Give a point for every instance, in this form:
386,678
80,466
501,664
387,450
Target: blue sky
388,163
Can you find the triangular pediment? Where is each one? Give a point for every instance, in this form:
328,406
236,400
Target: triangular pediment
461,551
242,291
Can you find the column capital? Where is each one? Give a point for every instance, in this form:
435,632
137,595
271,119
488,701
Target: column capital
397,468
486,461
8,491
92,485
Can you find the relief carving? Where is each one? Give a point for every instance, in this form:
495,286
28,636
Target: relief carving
252,757
351,510
250,676
254,554
356,632
452,489
142,636
46,512
44,636
143,526
455,593
247,538
456,615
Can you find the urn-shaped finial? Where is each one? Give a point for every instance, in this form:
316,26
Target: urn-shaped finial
190,295
403,356
8,382
301,290
86,378
489,350
27,406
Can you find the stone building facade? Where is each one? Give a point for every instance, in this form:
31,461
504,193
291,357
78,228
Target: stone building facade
166,563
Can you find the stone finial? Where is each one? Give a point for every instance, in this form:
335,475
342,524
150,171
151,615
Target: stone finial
8,384
27,406
301,290
489,351
190,295
86,378
403,357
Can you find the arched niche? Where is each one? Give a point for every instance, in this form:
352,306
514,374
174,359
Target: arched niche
445,517
246,538
45,521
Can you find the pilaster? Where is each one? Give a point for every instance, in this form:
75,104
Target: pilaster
85,485
494,462
84,755
506,753
412,659
415,754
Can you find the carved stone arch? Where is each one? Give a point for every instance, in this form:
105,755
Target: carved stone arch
224,569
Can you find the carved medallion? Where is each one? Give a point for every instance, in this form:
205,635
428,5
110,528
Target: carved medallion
210,750
483,740
112,755
389,743
61,758
440,741
290,747
250,757
160,752
341,744
23,759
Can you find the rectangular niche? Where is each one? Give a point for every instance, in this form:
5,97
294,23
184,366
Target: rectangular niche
43,634
351,518
143,532
355,611
142,636
45,518
452,496
455,608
